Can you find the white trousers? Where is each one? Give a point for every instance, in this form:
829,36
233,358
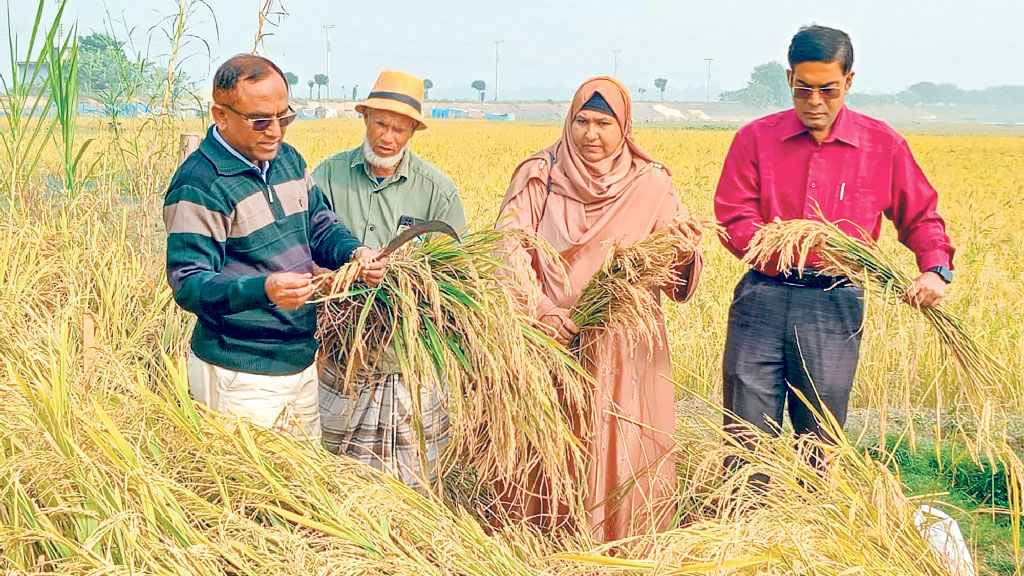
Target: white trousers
289,403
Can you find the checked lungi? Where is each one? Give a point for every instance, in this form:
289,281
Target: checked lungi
788,334
375,424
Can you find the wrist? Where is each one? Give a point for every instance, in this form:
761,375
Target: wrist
255,291
942,272
555,316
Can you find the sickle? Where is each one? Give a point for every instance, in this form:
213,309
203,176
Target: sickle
415,230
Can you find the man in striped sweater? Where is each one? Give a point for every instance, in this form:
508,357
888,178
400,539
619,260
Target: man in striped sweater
245,225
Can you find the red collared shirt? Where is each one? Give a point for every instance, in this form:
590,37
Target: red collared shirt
864,169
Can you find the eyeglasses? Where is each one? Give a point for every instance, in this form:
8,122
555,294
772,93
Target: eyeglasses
802,93
262,124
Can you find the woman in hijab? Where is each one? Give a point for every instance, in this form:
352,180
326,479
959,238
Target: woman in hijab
592,188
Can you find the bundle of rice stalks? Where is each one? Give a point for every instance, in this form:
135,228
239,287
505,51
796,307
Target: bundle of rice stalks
622,295
840,254
512,391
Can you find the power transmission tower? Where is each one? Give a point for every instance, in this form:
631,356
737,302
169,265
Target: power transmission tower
615,59
327,38
709,61
496,44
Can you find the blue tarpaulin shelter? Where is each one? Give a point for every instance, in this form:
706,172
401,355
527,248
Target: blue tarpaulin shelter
448,113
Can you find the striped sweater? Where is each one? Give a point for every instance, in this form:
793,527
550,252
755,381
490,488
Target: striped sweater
227,230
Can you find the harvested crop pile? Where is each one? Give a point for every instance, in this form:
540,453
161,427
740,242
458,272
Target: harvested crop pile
512,390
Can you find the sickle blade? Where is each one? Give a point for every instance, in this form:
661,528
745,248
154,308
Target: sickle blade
415,230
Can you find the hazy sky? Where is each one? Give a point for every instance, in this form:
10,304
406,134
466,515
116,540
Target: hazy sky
551,46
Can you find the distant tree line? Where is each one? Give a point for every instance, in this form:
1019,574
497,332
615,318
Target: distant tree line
111,74
768,88
114,76
945,94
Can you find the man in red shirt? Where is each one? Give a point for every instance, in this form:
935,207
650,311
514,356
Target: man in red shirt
791,333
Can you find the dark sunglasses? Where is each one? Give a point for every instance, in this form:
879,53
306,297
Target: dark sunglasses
262,124
801,93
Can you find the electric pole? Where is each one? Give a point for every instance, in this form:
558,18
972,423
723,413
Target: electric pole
615,60
327,39
709,61
60,27
496,44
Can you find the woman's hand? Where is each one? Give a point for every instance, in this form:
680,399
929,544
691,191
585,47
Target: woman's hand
689,233
559,325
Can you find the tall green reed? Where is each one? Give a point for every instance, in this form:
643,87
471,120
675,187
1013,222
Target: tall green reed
179,30
62,72
26,105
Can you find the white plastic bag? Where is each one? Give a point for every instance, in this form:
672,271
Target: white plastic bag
948,543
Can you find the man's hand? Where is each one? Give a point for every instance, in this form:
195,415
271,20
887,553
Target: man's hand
819,246
928,290
560,325
289,290
372,269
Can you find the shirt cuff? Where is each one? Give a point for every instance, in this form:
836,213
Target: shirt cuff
253,293
934,258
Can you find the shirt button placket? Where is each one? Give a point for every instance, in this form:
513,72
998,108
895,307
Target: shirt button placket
374,199
812,186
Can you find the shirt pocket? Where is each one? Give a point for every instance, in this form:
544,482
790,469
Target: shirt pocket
859,201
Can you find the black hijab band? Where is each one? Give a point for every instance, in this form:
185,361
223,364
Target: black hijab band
597,103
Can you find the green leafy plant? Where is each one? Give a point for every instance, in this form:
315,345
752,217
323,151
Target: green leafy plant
62,73
26,105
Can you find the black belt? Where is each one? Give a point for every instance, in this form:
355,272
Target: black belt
809,279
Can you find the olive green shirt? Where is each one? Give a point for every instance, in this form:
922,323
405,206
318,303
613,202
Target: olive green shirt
372,210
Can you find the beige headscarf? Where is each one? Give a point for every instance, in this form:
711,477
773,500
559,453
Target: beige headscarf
622,198
604,181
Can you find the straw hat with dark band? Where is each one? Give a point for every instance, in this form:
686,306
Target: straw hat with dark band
398,92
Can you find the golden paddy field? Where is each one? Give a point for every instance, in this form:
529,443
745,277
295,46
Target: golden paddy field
106,468
981,186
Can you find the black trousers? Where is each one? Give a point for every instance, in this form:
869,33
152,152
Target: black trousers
782,337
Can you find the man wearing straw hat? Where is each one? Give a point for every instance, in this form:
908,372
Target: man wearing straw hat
377,189
789,333
245,224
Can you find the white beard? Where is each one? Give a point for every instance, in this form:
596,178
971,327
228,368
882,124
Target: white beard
382,162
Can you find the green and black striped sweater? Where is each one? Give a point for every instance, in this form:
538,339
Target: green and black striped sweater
227,230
